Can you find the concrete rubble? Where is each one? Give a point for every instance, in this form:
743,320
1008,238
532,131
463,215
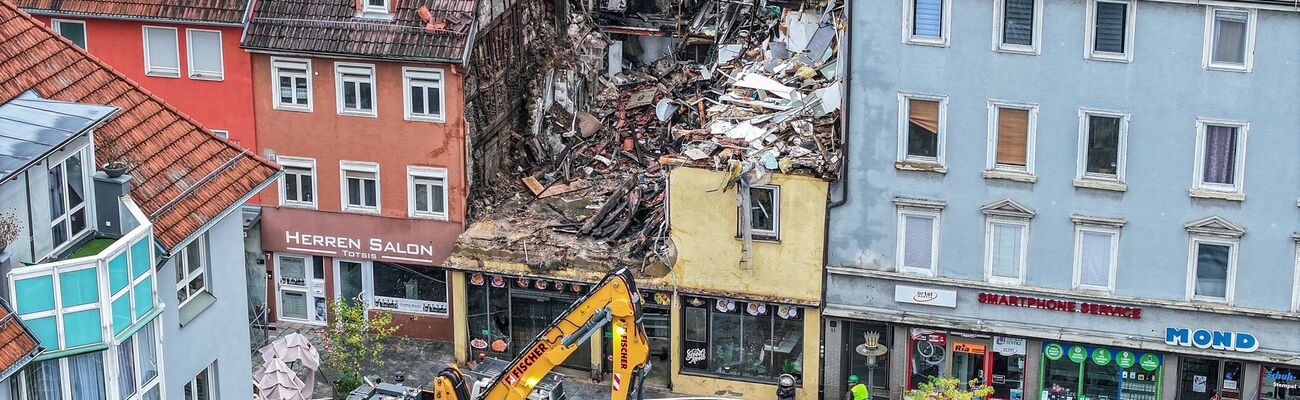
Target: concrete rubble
748,88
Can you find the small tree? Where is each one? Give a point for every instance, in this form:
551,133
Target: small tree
353,342
946,389
10,228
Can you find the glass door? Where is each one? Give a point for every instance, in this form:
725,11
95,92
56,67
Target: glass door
348,281
295,285
970,362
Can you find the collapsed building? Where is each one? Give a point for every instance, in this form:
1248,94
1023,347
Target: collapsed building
692,141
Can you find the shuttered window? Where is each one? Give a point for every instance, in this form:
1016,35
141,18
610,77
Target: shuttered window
1006,245
160,56
1230,37
927,18
1111,27
205,54
1018,22
1012,137
918,241
1094,252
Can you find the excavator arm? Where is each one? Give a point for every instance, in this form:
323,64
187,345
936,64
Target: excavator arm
614,301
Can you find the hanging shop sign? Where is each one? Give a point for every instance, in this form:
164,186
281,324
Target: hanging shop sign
1205,339
925,296
1071,306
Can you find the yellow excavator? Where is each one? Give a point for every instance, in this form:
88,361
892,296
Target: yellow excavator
615,300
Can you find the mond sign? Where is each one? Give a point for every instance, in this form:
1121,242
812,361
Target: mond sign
1205,339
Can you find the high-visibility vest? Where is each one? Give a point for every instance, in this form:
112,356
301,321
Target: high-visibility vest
860,392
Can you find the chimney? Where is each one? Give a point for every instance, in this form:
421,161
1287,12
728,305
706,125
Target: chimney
108,192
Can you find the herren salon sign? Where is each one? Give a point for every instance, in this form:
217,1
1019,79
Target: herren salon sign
370,249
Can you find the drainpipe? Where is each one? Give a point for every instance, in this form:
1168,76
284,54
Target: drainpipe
847,59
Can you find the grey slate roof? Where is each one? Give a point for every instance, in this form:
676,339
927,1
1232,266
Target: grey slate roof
333,27
213,11
31,128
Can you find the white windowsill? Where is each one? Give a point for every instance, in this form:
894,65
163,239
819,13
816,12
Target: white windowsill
208,77
920,166
1228,68
358,114
365,211
927,41
1017,176
292,108
422,118
302,206
1101,185
162,74
1216,194
1015,49
1110,57
431,217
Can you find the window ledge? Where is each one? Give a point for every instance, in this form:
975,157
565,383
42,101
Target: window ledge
299,206
361,211
421,118
923,41
1228,68
1216,194
195,307
920,166
1116,58
1009,175
761,238
156,74
373,14
1101,185
293,108
358,114
1017,50
440,217
203,77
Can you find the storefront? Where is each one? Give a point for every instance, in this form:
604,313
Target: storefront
969,357
1076,371
505,314
741,340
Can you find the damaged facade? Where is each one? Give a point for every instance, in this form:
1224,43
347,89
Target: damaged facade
691,141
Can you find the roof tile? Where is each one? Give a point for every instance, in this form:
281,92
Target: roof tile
218,11
333,27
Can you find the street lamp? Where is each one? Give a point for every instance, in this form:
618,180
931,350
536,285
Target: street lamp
872,349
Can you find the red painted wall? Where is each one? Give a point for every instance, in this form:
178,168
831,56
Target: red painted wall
219,105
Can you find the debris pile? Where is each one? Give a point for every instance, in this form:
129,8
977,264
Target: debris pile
765,98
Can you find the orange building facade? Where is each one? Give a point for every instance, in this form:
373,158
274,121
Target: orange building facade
373,144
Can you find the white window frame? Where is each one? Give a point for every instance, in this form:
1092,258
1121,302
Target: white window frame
945,27
212,380
1090,32
1079,229
65,376
410,74
414,173
1234,245
1207,53
924,208
904,109
1238,186
307,289
299,162
140,387
1023,224
367,7
85,36
1035,43
182,266
276,72
224,134
87,162
1031,142
189,56
339,80
1081,166
1295,285
368,286
773,235
365,167
161,72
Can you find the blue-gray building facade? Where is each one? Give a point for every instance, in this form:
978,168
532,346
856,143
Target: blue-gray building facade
1082,199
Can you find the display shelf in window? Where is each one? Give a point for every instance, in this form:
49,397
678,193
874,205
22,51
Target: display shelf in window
1076,372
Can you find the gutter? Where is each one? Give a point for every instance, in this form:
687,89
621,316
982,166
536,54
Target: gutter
118,17
846,56
346,56
237,205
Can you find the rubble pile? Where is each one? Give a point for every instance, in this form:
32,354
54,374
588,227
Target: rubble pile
765,99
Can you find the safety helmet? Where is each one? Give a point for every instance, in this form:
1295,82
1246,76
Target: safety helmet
853,379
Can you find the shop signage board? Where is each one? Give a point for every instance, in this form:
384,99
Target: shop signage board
1205,339
925,296
1061,305
1008,346
409,305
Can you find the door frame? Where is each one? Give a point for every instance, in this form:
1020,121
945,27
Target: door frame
306,289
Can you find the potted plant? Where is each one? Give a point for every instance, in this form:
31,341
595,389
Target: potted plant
118,166
115,168
10,228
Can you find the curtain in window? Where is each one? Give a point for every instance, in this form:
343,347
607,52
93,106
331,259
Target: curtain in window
923,128
205,52
42,381
87,372
126,368
148,350
1212,270
1111,27
1013,136
1006,250
1094,259
1018,22
928,18
1230,36
918,242
1220,154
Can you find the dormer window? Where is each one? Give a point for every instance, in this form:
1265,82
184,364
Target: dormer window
375,8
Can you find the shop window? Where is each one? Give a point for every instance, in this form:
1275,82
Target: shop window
1209,379
410,289
928,353
489,316
1279,383
856,364
1008,379
747,340
1083,372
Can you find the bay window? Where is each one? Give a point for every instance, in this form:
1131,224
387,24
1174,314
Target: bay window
742,339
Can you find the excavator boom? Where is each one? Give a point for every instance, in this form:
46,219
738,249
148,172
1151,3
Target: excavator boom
616,301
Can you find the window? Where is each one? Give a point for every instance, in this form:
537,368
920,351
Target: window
423,95
221,134
764,213
293,84
356,94
1206,379
1213,267
1017,25
409,288
1295,286
1278,383
918,235
1011,139
1006,250
299,181
1096,252
1110,30
747,340
1087,372
205,54
1220,158
1229,39
380,6
360,186
67,185
928,355
1103,144
295,275
74,31
427,191
200,388
78,377
191,270
926,22
162,54
921,128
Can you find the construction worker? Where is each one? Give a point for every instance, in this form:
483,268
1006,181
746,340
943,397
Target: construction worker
857,391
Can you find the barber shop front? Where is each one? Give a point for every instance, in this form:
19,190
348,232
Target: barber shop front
1047,344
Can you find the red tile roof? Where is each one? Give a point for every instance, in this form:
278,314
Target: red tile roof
215,11
183,175
17,344
332,27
